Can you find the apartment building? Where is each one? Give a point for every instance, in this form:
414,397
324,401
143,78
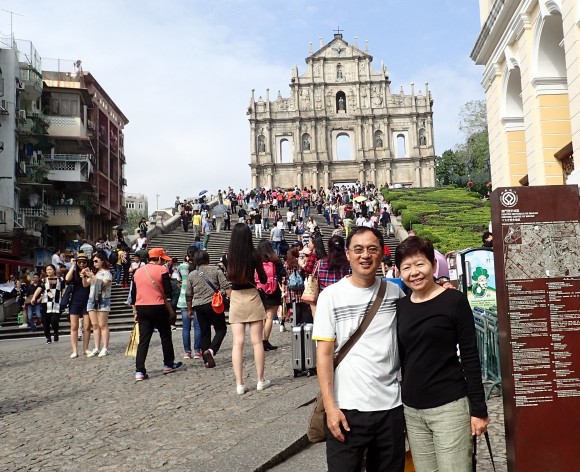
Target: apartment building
63,175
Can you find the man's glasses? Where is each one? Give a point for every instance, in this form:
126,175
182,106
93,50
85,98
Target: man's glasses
372,250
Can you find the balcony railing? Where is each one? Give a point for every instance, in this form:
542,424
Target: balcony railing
40,211
69,167
72,216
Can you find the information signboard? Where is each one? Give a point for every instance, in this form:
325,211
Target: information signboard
537,265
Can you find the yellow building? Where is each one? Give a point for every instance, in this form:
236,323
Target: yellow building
531,53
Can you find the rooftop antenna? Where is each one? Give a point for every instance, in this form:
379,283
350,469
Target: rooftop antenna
12,13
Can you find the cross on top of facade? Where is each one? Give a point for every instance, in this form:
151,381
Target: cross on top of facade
338,31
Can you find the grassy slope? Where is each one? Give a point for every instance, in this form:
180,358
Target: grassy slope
453,219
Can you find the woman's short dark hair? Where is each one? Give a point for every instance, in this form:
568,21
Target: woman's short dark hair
201,258
413,246
363,229
337,260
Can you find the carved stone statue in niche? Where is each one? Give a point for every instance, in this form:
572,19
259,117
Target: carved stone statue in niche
376,97
261,144
341,105
362,70
306,99
422,138
306,143
379,140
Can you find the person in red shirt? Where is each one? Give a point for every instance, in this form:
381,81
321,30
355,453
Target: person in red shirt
151,287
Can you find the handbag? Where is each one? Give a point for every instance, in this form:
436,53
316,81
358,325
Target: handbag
316,427
66,297
167,303
217,301
474,452
311,290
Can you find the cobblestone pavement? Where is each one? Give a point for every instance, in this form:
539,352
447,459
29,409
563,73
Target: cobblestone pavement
61,414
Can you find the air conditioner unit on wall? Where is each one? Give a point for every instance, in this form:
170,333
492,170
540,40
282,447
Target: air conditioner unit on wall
22,115
21,86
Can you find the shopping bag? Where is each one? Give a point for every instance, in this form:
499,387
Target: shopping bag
131,350
409,466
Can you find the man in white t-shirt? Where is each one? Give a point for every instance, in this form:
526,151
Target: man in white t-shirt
289,218
362,397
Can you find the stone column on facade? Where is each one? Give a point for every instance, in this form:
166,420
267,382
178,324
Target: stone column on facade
417,182
326,177
314,178
359,133
373,173
361,174
254,178
324,140
413,140
270,144
270,178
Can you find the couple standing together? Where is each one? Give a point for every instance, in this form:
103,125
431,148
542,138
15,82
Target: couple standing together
441,403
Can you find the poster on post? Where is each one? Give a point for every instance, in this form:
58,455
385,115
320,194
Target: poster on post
537,268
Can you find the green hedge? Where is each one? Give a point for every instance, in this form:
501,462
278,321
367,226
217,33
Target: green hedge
451,218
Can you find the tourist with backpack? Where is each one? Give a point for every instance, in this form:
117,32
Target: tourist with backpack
270,291
185,269
295,287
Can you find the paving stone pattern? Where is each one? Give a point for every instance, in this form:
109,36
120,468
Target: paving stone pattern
61,414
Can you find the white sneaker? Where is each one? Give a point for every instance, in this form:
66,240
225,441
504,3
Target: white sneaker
103,353
283,329
93,353
241,389
74,355
263,385
23,325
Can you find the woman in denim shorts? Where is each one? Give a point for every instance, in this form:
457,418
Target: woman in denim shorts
99,303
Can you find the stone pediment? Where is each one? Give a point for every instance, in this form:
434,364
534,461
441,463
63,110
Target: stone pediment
338,48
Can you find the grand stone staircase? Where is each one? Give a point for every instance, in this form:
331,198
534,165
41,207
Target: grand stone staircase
175,242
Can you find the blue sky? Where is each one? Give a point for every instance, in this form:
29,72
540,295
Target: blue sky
182,71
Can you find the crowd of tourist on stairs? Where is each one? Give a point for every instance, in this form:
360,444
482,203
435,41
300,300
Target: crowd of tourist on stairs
441,403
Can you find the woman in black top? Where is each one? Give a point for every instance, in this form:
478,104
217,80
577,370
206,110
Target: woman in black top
78,304
442,394
245,304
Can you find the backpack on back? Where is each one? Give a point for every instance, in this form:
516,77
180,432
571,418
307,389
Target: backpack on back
113,257
295,281
272,284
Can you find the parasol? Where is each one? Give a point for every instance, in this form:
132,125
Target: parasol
218,210
360,198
